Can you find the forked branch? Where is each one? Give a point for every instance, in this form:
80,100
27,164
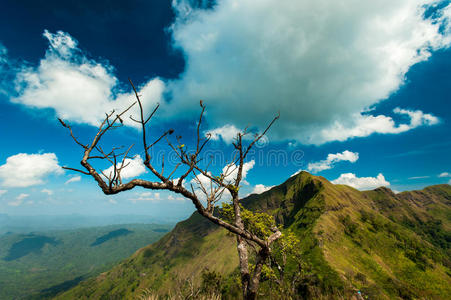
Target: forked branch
191,162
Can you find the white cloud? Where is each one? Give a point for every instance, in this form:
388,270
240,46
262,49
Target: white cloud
231,171
22,196
365,125
227,133
73,179
444,174
67,81
328,163
361,183
418,177
147,196
134,167
155,197
23,170
19,200
3,192
260,188
47,191
321,63
199,180
172,198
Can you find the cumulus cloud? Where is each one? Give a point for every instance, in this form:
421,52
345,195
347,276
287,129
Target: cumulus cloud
365,125
227,133
200,180
67,81
444,174
133,167
47,191
73,179
3,192
231,171
260,188
320,63
361,183
19,200
23,170
331,159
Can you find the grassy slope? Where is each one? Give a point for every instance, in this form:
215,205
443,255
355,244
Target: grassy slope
376,241
381,255
69,258
193,245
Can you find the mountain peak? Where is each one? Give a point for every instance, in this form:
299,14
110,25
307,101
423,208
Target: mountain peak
385,190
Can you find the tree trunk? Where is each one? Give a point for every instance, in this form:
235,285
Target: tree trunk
254,282
244,264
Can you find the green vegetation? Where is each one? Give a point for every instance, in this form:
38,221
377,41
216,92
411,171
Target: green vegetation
110,235
40,265
336,241
29,244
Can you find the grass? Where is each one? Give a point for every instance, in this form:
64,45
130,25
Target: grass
385,245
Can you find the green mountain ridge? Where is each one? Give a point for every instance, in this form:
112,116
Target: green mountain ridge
387,245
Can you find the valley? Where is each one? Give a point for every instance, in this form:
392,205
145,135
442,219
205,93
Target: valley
40,264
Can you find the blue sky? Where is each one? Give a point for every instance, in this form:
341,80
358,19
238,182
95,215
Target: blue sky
362,89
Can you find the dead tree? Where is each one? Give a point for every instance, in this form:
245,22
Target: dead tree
189,162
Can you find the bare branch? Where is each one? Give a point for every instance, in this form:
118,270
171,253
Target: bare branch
261,135
71,133
173,171
153,112
77,170
169,132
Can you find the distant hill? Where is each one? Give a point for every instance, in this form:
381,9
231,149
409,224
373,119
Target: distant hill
28,244
387,245
40,264
110,235
26,224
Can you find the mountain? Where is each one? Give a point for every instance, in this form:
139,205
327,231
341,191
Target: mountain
385,245
40,264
